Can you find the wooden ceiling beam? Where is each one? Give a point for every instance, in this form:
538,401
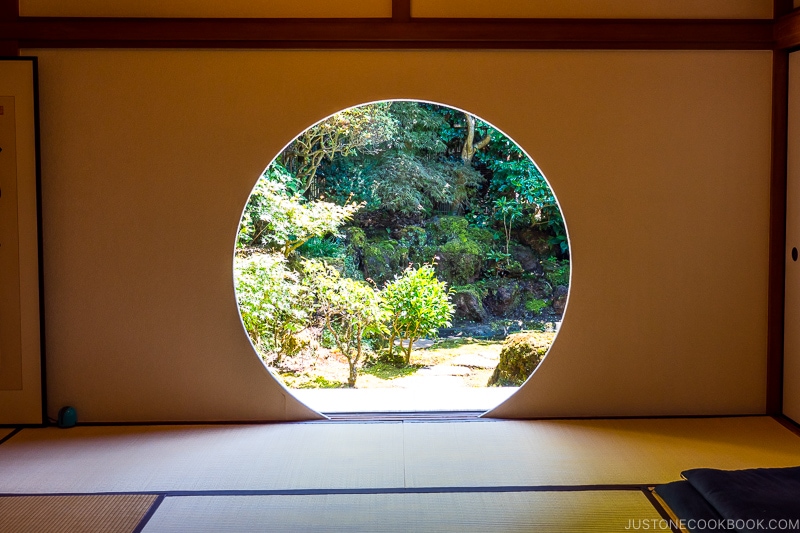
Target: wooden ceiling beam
391,34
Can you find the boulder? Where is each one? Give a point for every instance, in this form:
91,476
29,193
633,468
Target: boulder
521,354
458,265
535,288
468,307
526,258
503,298
536,239
560,299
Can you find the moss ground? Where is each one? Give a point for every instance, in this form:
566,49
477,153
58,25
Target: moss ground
329,369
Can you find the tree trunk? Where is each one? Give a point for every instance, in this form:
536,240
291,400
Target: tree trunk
470,146
351,379
408,350
392,338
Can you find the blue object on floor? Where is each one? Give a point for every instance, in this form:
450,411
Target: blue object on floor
67,417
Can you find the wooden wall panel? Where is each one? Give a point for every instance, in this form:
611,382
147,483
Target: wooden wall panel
206,8
681,9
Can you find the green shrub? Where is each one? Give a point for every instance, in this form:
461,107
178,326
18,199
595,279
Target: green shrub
417,305
447,228
350,309
322,247
444,229
279,219
272,302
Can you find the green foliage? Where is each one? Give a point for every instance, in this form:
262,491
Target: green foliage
518,178
273,304
458,249
351,310
354,236
277,219
321,247
497,256
413,237
536,305
417,304
413,170
442,230
412,184
508,211
446,228
354,130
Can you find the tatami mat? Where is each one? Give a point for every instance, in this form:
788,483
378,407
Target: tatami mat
272,456
576,512
332,455
119,513
579,452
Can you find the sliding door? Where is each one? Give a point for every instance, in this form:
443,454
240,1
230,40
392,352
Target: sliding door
20,349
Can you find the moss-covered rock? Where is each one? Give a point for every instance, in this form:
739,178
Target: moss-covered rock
521,354
446,228
468,306
384,259
556,272
459,262
442,230
458,249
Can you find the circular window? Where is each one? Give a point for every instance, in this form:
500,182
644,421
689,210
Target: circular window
406,249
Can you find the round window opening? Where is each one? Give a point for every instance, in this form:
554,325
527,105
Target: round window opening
406,249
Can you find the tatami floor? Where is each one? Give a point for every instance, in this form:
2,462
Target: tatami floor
486,475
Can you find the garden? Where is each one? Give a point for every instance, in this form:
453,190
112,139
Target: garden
398,240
